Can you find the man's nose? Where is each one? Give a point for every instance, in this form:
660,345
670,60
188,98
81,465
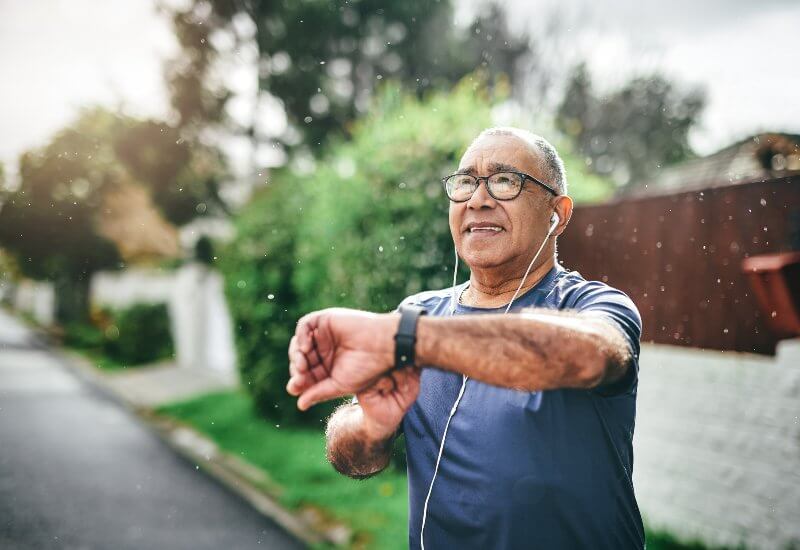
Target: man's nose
481,197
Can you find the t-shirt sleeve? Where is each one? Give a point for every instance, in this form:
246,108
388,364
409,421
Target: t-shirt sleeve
619,310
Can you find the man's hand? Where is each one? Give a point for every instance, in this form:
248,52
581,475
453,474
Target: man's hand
337,352
385,403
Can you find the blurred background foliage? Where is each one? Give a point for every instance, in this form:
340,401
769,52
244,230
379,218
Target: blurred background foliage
321,61
66,217
363,227
631,132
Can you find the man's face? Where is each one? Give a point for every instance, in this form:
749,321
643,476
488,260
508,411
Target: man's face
523,221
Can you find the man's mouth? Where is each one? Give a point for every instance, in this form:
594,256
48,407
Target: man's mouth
484,228
494,229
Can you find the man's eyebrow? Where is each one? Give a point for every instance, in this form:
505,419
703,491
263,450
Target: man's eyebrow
502,167
494,167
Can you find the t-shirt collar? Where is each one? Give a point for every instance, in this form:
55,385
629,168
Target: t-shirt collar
545,284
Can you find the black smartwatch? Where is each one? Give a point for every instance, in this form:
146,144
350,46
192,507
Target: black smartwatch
406,336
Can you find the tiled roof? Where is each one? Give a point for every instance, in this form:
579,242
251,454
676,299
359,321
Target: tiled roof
760,157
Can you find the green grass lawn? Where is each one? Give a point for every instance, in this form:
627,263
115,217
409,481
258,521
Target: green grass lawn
294,459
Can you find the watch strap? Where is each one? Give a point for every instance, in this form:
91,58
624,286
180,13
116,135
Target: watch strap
406,337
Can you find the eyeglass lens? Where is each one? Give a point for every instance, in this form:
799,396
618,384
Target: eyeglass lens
460,187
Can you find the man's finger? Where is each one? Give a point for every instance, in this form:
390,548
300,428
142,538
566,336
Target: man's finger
322,391
323,341
318,359
304,330
298,363
299,383
319,373
384,384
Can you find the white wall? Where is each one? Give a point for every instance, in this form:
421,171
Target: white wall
118,289
199,317
37,299
717,445
202,325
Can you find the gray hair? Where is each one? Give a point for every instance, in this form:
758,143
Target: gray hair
555,174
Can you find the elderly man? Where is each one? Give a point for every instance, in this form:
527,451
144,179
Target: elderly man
518,427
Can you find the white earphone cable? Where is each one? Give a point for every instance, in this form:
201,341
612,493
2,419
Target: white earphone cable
530,265
453,303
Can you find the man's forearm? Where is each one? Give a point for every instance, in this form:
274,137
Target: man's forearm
352,449
534,350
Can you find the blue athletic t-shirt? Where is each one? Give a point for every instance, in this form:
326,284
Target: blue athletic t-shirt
547,469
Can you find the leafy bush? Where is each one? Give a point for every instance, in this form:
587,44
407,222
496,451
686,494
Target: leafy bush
258,267
131,336
139,334
83,336
364,228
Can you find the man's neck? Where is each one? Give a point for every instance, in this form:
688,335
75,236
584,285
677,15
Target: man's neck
486,290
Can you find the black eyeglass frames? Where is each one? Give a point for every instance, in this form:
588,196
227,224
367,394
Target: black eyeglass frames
502,186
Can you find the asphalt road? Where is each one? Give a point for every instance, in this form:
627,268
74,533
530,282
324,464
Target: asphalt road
78,471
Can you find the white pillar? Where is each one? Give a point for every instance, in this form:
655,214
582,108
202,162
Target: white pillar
202,326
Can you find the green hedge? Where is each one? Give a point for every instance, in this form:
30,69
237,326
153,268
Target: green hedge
364,227
131,336
139,334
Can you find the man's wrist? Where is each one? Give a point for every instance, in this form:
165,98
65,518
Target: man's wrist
425,345
392,322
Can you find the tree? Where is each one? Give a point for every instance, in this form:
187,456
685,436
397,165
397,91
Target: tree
50,222
321,60
196,100
631,132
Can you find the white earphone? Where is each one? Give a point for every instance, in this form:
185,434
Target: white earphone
554,223
554,219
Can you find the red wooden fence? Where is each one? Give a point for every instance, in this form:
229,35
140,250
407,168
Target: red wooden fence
679,258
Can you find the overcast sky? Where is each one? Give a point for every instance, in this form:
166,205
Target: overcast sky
58,55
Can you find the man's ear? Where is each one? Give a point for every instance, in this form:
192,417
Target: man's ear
563,207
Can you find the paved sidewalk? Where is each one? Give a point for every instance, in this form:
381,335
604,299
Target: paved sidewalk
79,471
155,385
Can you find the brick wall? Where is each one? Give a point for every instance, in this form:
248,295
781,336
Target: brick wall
717,445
